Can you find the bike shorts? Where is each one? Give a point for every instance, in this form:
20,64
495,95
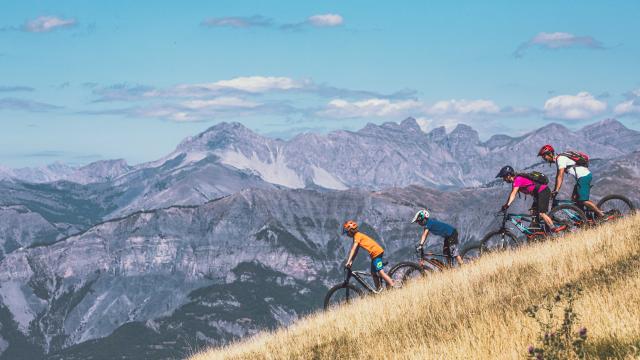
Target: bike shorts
541,201
376,264
451,245
582,188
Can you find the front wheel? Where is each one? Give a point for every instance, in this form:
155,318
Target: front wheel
498,241
569,216
341,294
406,271
616,206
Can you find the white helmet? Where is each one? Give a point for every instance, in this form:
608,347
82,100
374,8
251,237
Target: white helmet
421,216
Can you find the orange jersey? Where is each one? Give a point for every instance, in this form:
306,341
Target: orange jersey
368,244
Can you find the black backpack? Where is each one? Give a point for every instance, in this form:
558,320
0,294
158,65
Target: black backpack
536,176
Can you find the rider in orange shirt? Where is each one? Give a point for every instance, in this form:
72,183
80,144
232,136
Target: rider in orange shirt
350,228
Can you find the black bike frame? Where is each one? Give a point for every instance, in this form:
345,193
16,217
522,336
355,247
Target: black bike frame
359,276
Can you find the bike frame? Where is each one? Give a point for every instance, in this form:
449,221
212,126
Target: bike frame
517,221
359,276
587,211
429,260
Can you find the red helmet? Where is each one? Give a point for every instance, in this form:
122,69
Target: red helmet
350,227
546,149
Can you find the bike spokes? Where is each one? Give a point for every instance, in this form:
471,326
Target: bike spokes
471,254
615,208
406,272
498,241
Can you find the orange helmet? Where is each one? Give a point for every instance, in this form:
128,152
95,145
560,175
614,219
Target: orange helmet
350,227
546,149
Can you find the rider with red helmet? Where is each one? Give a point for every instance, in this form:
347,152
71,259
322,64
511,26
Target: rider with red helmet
566,165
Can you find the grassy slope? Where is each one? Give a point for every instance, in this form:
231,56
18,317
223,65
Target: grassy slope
477,311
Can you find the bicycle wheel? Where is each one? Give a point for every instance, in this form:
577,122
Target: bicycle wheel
570,215
498,241
471,253
341,294
616,206
406,271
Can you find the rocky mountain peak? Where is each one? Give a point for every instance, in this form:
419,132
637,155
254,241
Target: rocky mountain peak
465,133
410,124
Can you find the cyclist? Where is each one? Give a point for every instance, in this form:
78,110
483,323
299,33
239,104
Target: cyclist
439,228
360,240
582,188
540,192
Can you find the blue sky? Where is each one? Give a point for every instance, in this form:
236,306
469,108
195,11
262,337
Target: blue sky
83,81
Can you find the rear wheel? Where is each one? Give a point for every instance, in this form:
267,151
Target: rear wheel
406,271
498,241
570,216
471,253
341,294
616,206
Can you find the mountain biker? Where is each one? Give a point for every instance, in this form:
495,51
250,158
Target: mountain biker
360,240
439,228
582,188
540,192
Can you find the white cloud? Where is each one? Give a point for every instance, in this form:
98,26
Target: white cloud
326,20
445,109
629,107
574,107
463,107
47,23
238,22
375,107
257,84
558,40
220,103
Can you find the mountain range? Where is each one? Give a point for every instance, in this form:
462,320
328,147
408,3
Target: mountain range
234,232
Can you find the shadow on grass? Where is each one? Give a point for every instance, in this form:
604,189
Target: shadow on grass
613,348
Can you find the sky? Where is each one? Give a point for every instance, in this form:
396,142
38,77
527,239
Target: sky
83,81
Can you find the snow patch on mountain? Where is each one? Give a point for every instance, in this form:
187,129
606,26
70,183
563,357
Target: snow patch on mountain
275,171
13,297
323,178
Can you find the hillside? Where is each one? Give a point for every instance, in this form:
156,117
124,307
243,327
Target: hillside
478,311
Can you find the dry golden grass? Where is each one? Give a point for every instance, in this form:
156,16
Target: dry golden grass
477,312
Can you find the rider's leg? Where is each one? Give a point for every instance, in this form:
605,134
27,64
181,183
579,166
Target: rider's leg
542,206
386,278
582,192
377,271
547,220
375,263
593,207
451,247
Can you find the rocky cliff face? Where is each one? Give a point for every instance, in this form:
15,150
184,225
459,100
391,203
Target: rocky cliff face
375,157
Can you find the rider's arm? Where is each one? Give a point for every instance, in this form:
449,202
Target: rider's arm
559,179
352,253
512,196
425,233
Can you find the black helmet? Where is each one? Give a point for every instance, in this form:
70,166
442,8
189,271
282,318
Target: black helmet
506,171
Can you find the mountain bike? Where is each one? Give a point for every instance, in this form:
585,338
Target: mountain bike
614,206
534,229
429,262
346,292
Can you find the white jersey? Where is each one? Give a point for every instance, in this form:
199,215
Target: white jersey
564,162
